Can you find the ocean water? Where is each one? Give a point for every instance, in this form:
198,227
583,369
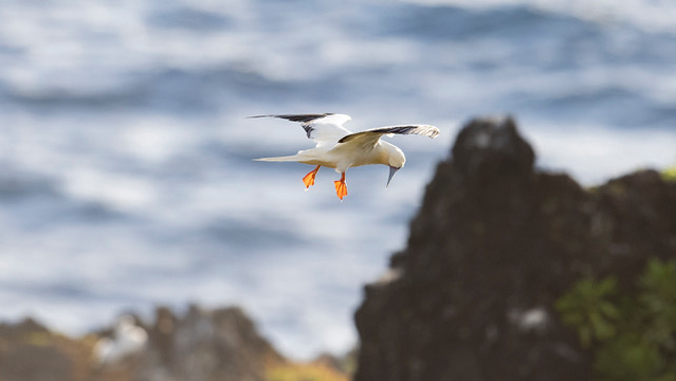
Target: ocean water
127,178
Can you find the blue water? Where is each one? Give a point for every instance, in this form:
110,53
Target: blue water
127,176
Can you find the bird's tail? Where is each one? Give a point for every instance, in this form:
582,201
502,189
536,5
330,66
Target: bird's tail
280,158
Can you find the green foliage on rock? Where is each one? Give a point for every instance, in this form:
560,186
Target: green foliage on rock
632,333
669,174
588,307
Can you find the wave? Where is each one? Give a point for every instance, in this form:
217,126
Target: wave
453,23
646,15
38,200
175,90
188,18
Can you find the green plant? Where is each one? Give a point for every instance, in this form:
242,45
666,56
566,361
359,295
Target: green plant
588,308
629,358
669,174
658,302
632,334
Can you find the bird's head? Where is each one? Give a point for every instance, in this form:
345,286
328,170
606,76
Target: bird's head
395,160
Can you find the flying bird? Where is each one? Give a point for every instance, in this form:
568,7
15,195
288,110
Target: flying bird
338,148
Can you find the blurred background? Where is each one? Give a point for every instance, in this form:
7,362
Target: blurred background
127,178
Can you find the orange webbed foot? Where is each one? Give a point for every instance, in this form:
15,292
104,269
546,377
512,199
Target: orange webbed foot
341,187
309,179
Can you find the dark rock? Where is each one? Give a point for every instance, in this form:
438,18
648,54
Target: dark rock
205,345
30,352
494,245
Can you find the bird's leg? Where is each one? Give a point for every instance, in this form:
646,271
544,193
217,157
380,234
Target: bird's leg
309,179
341,187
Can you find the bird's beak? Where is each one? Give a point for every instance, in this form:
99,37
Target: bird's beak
393,170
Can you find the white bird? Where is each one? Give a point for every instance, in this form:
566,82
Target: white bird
338,148
128,339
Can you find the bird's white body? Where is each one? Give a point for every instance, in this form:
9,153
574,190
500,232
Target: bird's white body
338,148
343,156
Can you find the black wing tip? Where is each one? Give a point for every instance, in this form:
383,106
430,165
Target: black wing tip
303,118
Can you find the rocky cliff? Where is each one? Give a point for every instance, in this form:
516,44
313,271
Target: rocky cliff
494,245
200,345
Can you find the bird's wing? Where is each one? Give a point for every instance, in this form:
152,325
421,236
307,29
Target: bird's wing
321,128
373,135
